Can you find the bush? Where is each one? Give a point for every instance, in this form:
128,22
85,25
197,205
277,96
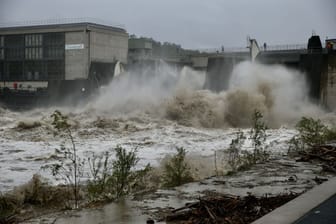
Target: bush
9,206
100,170
112,179
69,166
142,179
239,159
176,170
36,193
235,159
311,133
258,137
122,174
27,125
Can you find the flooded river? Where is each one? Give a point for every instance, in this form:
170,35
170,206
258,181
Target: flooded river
156,116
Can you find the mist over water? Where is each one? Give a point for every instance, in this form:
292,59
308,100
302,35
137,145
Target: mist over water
279,93
175,94
146,90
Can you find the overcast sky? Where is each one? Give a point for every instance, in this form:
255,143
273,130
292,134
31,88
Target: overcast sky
193,23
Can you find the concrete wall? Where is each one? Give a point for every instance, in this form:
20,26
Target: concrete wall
312,65
140,43
328,93
219,72
199,62
76,55
279,57
108,47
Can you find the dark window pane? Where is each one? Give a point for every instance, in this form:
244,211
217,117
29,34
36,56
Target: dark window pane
2,75
54,45
2,54
34,70
2,42
14,46
15,71
56,70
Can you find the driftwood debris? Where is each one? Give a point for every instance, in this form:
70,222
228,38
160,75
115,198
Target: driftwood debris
228,209
8,219
324,153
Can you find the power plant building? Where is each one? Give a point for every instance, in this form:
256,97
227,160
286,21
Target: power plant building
56,57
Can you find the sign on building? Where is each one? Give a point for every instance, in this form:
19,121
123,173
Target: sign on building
74,46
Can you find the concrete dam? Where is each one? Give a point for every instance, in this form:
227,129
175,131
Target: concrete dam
46,63
317,63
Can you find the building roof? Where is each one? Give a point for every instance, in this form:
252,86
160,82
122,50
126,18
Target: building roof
57,24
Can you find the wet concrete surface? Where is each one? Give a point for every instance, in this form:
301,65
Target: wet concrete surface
280,175
122,212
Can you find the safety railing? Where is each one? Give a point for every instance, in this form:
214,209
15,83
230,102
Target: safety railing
286,47
224,50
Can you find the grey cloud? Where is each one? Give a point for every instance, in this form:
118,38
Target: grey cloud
193,23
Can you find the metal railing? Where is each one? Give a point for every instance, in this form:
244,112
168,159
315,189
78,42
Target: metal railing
284,47
60,21
224,50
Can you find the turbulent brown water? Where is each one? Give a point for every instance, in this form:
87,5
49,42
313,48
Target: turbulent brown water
279,93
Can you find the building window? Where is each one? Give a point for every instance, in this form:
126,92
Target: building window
2,76
2,50
15,53
33,53
15,71
54,45
14,45
33,40
33,44
54,52
34,70
32,57
55,70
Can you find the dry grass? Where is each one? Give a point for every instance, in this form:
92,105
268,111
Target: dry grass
36,194
27,125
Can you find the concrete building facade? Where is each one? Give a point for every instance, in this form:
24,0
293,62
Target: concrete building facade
328,84
54,57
